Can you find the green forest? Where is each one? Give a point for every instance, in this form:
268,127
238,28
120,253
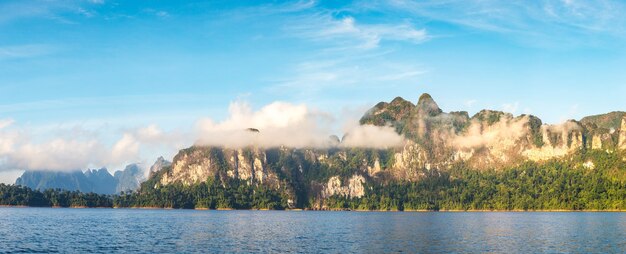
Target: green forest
553,185
13,195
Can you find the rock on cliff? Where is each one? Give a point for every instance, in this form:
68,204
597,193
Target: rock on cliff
158,165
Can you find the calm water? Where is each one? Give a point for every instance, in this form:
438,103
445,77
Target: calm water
121,230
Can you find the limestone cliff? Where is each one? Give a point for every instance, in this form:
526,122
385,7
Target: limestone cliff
197,164
622,134
435,141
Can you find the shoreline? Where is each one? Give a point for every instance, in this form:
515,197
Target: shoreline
331,210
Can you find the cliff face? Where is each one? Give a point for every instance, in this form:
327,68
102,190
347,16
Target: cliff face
197,164
302,174
435,141
491,139
622,134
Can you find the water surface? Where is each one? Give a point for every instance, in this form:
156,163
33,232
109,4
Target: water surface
149,231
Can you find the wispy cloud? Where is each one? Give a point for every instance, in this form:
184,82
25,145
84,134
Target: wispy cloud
470,103
347,32
101,101
538,23
510,107
25,51
367,71
5,123
57,11
158,13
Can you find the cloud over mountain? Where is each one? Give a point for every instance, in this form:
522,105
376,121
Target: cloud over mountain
273,125
285,124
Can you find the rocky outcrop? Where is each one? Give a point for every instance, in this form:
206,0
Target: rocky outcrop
558,141
197,164
353,188
158,165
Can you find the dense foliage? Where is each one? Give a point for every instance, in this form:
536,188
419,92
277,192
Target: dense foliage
212,194
554,185
13,195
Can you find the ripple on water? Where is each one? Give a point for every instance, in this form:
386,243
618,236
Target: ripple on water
34,230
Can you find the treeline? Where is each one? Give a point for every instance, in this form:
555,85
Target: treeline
212,194
570,183
235,194
554,185
14,195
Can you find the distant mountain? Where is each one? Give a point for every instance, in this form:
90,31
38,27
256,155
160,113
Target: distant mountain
42,180
98,181
129,179
101,181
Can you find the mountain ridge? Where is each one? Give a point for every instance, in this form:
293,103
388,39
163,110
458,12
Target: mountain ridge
436,141
98,181
492,160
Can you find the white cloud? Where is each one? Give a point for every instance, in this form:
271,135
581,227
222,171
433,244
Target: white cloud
544,23
286,124
24,51
356,72
470,103
5,123
279,123
162,14
23,149
55,11
126,149
8,177
370,136
158,13
401,75
510,107
500,134
346,32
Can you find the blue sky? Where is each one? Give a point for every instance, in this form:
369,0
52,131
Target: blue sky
106,67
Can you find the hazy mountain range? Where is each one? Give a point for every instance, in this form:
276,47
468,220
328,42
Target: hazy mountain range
98,181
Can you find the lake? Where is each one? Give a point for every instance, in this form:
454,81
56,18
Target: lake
134,230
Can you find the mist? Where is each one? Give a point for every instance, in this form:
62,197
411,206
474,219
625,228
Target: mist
285,124
277,124
504,132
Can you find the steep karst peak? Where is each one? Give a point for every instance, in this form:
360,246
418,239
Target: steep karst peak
427,105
